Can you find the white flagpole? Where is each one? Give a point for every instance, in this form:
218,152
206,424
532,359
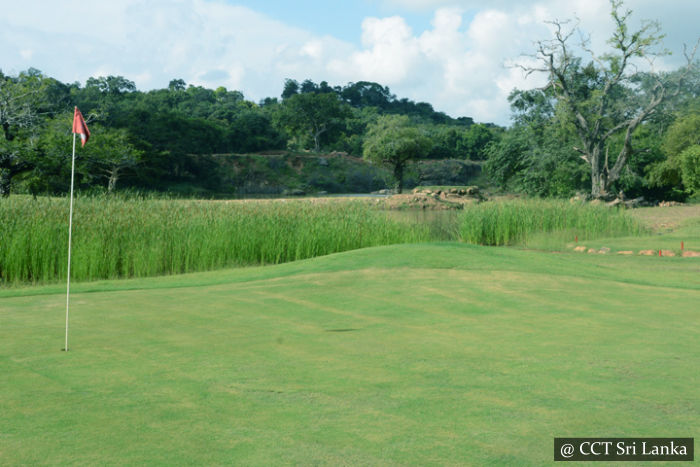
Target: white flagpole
70,233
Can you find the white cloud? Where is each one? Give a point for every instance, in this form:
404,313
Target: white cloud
458,64
459,69
313,49
390,53
463,67
211,43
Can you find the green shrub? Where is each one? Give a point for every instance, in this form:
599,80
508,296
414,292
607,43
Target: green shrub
690,168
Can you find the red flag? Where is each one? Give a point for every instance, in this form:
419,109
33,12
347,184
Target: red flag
80,127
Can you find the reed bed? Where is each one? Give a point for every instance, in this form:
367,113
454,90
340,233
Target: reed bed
118,238
521,222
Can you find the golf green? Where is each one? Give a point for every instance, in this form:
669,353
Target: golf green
433,354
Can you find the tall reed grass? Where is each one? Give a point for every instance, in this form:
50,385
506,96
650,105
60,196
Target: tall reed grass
115,238
522,222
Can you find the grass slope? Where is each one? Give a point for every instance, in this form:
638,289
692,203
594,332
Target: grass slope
410,354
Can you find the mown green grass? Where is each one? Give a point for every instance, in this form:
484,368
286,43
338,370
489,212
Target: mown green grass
433,354
115,237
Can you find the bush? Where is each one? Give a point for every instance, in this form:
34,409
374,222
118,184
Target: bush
690,168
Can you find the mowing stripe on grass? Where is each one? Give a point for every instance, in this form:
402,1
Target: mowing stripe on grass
517,348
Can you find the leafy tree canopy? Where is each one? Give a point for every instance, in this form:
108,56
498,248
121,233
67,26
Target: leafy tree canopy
608,97
394,141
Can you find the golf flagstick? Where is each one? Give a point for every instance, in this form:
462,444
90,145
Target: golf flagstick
79,127
70,235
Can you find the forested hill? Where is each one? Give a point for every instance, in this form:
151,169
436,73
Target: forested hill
158,139
607,137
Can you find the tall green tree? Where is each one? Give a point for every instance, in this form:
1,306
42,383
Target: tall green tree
608,98
109,154
474,141
690,168
394,141
21,98
536,154
682,147
311,114
291,87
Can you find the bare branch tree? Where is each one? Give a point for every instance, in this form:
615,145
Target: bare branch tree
601,97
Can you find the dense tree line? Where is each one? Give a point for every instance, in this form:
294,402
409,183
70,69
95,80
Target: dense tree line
162,138
539,153
601,125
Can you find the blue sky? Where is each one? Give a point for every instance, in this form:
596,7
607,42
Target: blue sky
342,18
339,19
453,54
